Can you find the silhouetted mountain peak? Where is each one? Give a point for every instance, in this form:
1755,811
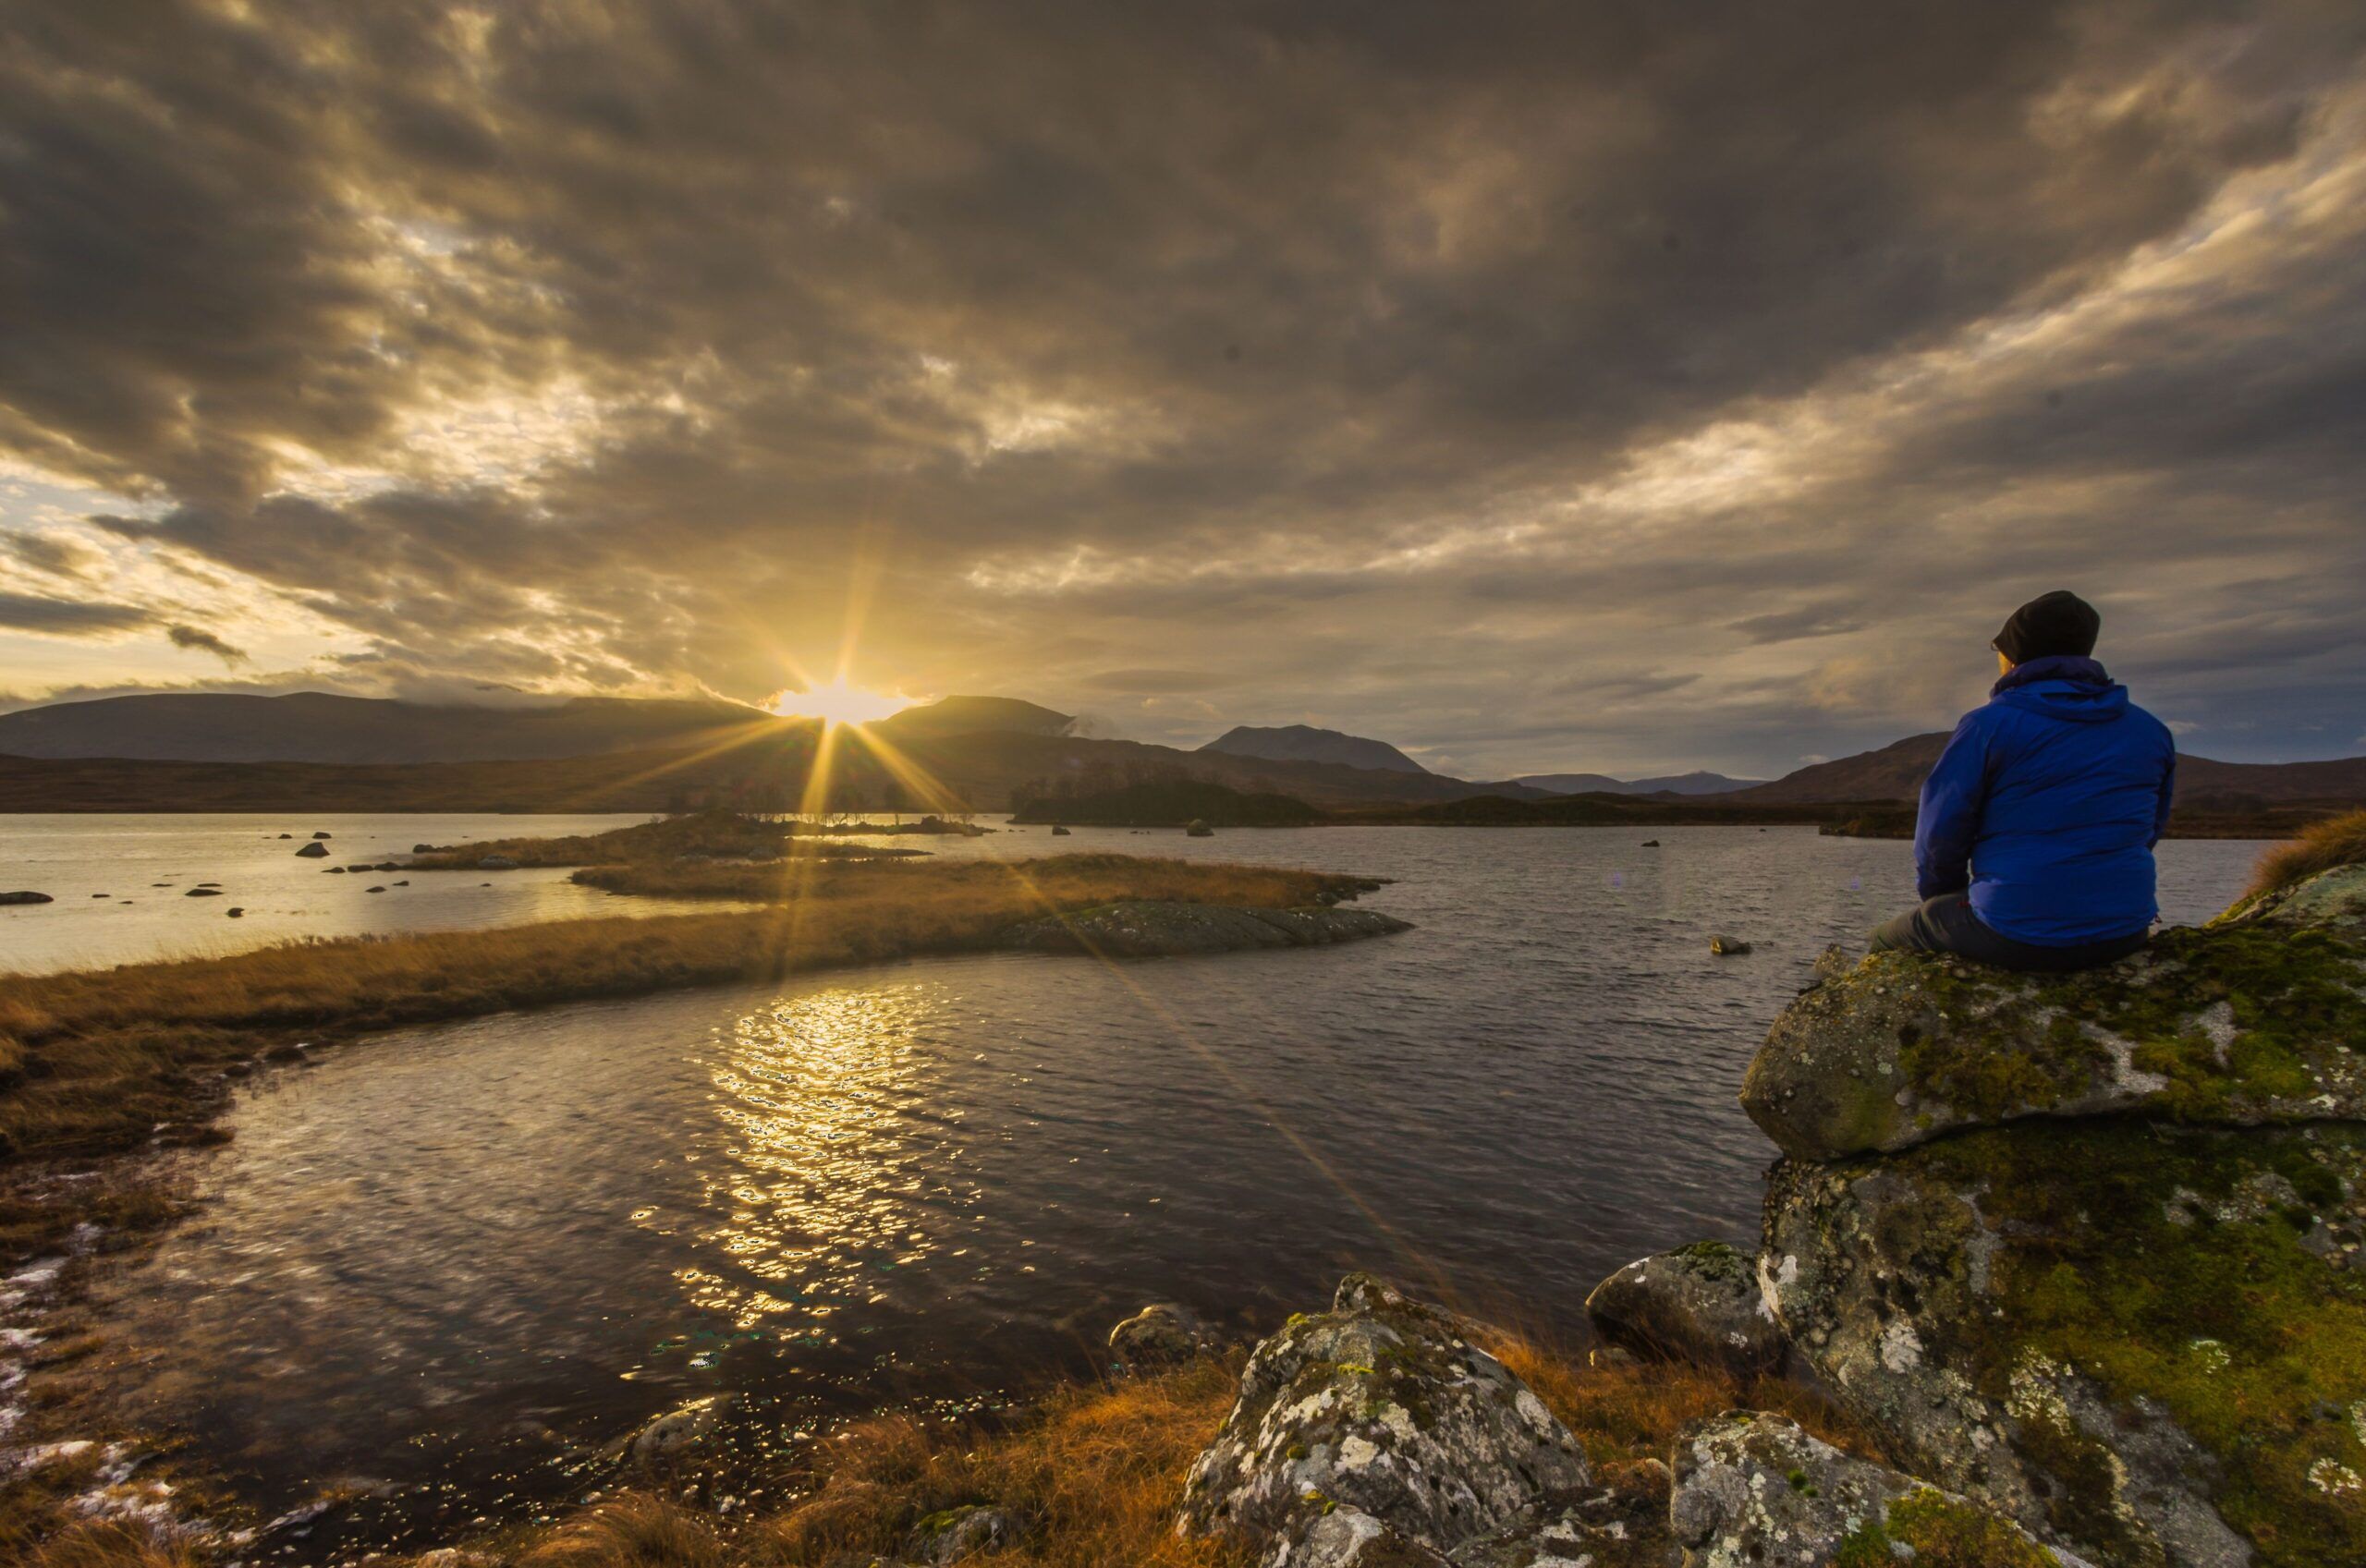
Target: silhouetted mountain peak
1304,742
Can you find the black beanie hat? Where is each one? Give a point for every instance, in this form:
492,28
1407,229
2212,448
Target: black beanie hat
2051,624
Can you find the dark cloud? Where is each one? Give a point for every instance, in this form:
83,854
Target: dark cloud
201,640
68,618
1555,385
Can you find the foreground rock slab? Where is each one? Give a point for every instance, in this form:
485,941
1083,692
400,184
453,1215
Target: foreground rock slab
1755,1490
1156,930
2258,1020
2142,1334
1377,1433
1698,1304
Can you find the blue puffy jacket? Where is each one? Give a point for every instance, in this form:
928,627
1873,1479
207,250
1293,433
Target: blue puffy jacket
2046,804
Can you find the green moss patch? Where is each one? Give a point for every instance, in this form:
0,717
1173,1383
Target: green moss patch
1938,1531
2213,1273
2294,998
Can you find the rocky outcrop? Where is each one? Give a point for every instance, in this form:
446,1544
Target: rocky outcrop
313,851
2124,1302
1698,1304
1155,930
2253,1020
1753,1489
1378,1433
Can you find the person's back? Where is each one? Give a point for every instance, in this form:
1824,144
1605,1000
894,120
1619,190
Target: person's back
2033,845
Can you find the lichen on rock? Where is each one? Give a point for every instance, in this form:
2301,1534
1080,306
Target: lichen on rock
1755,1489
1374,1433
2253,1020
2140,1334
2143,1341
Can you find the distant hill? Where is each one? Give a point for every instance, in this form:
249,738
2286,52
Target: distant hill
1304,742
975,715
1896,770
1671,783
316,726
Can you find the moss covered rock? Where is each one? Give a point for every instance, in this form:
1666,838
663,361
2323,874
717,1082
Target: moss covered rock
2142,1341
1753,1489
2257,1019
1377,1432
1698,1304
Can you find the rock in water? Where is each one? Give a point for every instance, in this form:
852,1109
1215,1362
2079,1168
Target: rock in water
314,851
1161,1334
2250,1020
202,892
1152,930
1727,946
1198,829
25,896
678,1436
1378,1433
1698,1304
1753,1489
1059,832
2141,1335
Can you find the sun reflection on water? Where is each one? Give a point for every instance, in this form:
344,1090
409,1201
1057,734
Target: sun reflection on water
813,1202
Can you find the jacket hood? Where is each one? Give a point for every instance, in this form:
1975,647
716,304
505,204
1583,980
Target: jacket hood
2064,687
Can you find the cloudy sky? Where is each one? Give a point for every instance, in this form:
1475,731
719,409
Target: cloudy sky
1619,386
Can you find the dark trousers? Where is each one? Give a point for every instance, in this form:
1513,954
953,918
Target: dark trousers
1945,923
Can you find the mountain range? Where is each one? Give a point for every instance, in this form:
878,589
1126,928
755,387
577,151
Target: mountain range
1896,772
215,751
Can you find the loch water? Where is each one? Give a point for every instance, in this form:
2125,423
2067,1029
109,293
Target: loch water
446,1269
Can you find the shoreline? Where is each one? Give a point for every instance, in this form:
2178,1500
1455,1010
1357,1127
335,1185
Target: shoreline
106,1075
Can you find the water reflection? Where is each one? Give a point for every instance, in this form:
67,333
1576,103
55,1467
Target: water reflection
807,1204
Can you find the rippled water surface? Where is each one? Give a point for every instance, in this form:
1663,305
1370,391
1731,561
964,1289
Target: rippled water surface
458,1260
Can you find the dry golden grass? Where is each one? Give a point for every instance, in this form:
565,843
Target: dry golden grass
1625,1411
2319,846
109,1055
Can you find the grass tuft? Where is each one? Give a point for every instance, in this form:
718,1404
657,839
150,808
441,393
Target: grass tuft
2319,846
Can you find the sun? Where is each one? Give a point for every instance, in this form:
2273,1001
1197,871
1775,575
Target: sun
836,702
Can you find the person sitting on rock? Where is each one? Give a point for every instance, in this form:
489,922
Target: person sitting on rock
2033,844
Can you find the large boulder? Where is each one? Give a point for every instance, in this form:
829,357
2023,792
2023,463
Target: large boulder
1150,928
1698,1304
1377,1433
2140,1334
2253,1020
1752,1488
